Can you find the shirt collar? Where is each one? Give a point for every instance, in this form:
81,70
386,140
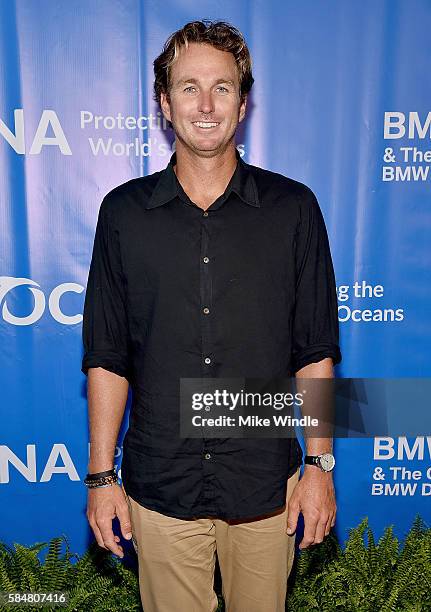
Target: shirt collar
168,185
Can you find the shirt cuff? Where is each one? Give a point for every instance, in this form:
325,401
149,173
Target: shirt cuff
108,360
315,353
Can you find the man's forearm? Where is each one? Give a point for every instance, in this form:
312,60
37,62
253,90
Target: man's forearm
321,369
107,398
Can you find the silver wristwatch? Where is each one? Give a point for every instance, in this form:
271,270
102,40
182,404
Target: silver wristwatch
325,461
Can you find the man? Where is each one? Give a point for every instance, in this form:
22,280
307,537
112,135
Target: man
210,268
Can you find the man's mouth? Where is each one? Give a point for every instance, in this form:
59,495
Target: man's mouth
206,125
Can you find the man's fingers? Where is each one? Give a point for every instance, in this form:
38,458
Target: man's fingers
292,518
320,530
103,507
105,527
333,517
100,539
310,525
331,522
98,535
125,523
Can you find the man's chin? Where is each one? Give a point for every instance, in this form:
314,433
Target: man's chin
205,146
207,149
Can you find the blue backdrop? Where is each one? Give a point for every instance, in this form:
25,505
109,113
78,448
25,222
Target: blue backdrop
340,102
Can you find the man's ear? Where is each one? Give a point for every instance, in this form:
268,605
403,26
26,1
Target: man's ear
242,108
165,105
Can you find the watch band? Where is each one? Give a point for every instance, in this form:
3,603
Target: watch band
324,461
312,460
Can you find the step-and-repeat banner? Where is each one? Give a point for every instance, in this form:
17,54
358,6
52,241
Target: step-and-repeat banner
340,102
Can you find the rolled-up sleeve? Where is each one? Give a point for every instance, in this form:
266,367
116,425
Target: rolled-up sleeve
105,333
315,330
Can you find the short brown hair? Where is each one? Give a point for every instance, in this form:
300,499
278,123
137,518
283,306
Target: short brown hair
218,34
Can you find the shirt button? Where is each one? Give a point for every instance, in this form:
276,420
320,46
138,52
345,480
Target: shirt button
206,259
207,455
205,214
207,360
206,311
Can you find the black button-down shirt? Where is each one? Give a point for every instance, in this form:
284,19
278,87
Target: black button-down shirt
244,289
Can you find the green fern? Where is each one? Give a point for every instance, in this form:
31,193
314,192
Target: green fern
365,577
96,582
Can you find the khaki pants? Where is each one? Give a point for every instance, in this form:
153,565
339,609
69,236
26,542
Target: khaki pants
176,560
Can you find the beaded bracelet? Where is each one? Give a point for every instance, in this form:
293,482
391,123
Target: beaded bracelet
102,481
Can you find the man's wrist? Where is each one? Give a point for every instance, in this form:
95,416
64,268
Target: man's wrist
315,472
104,466
324,462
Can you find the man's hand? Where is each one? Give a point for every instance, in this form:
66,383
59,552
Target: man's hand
104,504
314,496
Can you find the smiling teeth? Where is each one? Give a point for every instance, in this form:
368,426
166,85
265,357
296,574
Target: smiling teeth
205,124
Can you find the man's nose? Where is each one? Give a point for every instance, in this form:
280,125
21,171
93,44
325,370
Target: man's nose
206,102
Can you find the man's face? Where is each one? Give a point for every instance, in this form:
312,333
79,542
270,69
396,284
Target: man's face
204,89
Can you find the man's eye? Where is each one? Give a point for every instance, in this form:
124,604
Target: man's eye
188,88
221,87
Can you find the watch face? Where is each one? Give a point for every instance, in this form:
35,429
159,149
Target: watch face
327,461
